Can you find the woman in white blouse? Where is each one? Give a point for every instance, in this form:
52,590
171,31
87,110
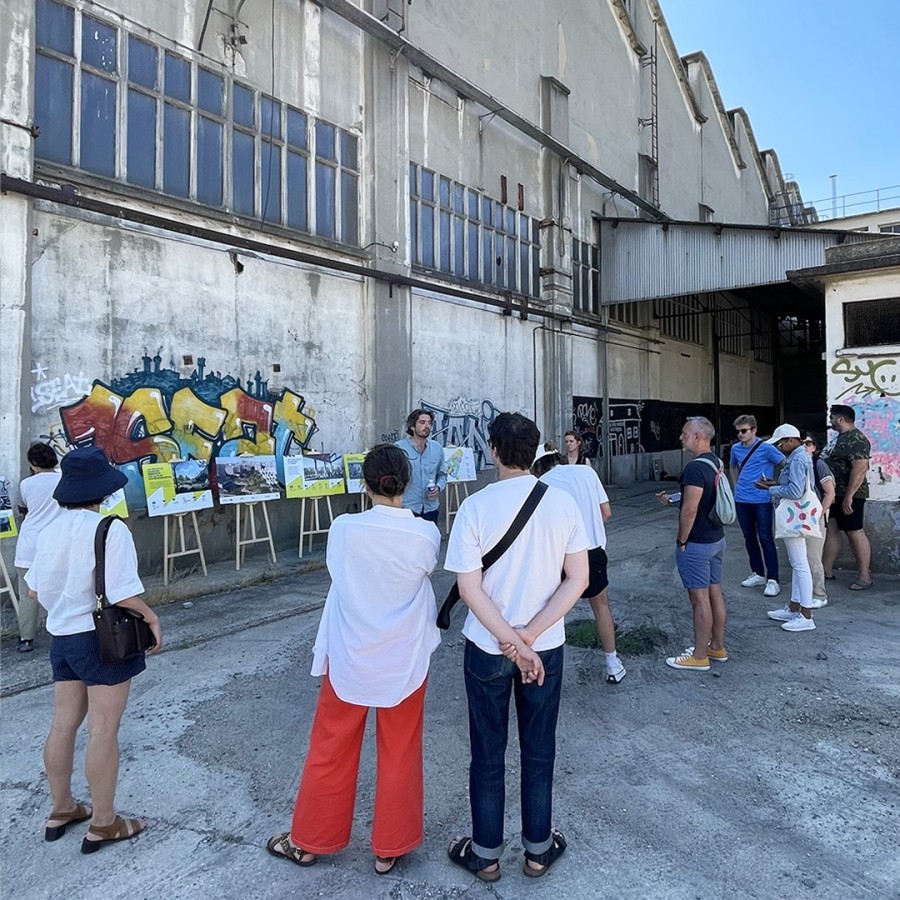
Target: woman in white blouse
373,648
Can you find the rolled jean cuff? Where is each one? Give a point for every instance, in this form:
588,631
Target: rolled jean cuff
542,847
493,855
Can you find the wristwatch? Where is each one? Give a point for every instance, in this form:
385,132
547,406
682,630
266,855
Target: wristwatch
681,543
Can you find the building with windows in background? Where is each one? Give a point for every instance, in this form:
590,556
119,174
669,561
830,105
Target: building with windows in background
251,227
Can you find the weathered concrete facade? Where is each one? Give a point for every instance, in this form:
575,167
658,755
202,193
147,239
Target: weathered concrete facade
416,222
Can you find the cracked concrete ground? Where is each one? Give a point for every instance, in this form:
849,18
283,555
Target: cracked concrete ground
775,774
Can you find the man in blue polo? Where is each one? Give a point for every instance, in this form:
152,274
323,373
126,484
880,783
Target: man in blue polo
426,460
751,459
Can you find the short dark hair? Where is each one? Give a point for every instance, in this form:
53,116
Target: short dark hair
386,470
845,412
42,456
515,438
413,417
83,504
548,461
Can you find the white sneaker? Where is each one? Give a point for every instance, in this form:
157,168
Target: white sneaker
782,615
818,602
773,588
753,581
799,623
615,675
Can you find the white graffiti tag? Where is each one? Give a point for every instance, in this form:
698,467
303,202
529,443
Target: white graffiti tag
51,393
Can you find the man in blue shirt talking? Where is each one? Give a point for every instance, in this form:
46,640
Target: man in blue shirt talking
426,461
751,459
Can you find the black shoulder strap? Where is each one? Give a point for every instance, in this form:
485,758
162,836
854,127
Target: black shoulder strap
518,523
755,447
100,558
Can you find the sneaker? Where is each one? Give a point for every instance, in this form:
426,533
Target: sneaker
782,615
615,675
687,660
818,602
717,655
773,588
753,581
799,623
25,646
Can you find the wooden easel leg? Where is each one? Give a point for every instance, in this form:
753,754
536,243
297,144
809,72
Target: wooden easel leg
166,552
9,586
237,536
199,542
265,513
302,523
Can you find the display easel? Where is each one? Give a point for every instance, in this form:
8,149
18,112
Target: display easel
174,545
6,586
253,533
454,500
310,514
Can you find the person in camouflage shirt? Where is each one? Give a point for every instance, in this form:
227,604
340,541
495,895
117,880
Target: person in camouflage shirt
848,459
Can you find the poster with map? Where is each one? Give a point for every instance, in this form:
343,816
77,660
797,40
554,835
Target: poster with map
460,463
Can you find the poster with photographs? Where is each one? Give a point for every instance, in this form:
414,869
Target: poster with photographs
314,475
247,479
353,463
7,518
460,463
115,505
177,487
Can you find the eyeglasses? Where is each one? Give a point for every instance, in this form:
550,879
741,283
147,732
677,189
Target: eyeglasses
743,430
810,443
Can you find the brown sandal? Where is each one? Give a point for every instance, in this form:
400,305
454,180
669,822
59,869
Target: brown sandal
280,845
80,814
388,861
120,830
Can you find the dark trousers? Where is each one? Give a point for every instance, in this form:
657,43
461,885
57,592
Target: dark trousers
490,680
757,524
429,516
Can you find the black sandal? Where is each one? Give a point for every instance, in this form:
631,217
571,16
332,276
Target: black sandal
547,858
280,845
460,852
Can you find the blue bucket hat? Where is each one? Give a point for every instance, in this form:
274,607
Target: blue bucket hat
87,475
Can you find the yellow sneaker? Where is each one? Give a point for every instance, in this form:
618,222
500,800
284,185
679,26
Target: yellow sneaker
687,660
717,655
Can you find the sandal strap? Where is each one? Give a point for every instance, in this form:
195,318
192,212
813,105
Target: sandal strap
283,842
81,811
120,828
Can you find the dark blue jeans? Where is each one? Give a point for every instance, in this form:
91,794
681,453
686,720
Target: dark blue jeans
757,524
490,680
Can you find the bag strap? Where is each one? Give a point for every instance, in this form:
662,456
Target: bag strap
100,559
753,449
518,523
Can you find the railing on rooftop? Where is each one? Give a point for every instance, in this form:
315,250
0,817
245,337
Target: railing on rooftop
859,203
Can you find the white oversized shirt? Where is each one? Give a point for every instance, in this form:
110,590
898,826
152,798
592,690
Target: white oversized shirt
522,581
584,486
62,573
378,627
37,496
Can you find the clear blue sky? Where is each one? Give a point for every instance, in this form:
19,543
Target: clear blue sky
819,79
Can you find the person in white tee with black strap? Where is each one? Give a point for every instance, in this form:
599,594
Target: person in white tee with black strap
41,509
374,645
584,486
515,637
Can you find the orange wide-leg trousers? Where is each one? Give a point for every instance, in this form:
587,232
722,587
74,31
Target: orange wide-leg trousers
323,813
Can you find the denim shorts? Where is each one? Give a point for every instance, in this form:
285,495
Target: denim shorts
76,657
700,565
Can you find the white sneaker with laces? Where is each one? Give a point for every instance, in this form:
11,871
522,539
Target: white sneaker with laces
799,623
773,588
615,674
753,581
782,615
818,602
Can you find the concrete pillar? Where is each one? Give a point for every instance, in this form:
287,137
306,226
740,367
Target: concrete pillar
16,160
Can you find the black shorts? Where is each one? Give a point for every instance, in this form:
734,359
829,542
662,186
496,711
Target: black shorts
597,561
853,522
76,657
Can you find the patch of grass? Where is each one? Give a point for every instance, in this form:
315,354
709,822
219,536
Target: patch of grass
641,641
582,633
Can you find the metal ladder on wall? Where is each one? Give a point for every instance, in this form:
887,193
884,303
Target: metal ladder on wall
650,62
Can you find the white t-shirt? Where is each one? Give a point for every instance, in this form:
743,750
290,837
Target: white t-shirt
62,573
378,627
37,496
583,484
522,581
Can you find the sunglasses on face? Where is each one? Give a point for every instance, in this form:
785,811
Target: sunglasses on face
743,430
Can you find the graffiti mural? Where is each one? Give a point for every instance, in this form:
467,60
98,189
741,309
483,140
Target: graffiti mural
464,423
156,415
872,387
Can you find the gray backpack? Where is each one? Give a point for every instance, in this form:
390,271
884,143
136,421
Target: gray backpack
724,512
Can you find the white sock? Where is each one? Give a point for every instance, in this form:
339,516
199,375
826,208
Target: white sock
612,660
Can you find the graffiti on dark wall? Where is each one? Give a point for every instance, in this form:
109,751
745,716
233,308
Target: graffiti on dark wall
464,423
650,426
155,415
872,387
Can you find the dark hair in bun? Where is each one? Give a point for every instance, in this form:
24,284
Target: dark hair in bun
386,470
42,456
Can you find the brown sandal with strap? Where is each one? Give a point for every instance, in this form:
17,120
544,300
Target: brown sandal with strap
280,845
80,814
120,830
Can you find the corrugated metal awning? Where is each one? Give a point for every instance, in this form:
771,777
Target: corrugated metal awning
641,260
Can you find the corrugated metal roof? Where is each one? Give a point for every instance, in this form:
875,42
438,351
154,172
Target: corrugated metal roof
642,260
